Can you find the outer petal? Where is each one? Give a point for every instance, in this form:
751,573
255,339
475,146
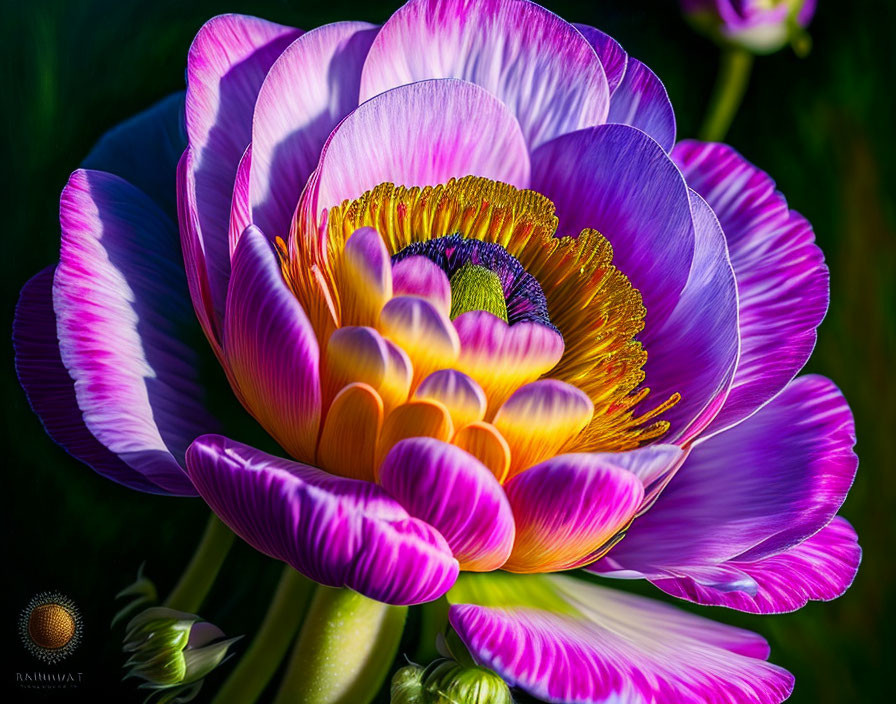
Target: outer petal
751,492
271,349
226,65
563,640
309,89
694,351
819,569
617,180
420,135
782,280
641,101
611,54
534,62
455,493
122,317
50,389
144,151
339,532
567,509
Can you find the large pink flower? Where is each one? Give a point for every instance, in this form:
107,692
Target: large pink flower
455,266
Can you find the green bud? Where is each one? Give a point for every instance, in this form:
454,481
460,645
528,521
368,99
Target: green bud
407,686
173,649
450,682
477,288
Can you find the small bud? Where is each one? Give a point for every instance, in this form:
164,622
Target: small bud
407,686
173,649
448,682
760,28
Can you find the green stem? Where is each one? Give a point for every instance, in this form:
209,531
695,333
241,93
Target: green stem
344,651
433,620
261,660
731,84
200,574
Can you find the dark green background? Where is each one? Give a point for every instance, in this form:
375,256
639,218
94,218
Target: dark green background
823,127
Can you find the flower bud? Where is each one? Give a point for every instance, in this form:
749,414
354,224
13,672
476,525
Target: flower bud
172,649
449,682
758,26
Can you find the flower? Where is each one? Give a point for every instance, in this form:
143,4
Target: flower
759,26
458,267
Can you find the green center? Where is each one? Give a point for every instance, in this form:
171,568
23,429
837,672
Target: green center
477,288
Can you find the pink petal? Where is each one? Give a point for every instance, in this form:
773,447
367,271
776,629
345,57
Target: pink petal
339,532
271,349
455,493
564,640
534,62
313,84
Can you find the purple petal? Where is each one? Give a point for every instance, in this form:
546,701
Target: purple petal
782,280
336,531
694,351
818,569
50,389
271,348
420,135
144,151
611,54
309,89
456,494
567,509
577,642
751,492
226,65
641,101
123,316
618,181
538,65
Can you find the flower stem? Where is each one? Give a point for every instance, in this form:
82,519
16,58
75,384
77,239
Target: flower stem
261,660
344,650
433,620
731,84
200,574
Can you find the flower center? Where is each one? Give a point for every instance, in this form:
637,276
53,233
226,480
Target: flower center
484,276
571,315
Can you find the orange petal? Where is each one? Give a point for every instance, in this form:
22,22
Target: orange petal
364,277
428,337
462,396
539,419
360,354
348,442
485,443
422,418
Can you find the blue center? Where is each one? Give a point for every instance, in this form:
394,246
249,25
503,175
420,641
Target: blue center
523,295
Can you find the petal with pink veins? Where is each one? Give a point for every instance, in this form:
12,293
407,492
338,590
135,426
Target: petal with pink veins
565,640
782,279
271,349
534,62
339,532
567,509
455,493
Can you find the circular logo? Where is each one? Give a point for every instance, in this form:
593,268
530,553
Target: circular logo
50,627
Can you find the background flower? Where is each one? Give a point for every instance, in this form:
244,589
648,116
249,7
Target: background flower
302,22
761,26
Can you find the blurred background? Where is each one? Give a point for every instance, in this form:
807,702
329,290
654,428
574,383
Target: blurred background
822,126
